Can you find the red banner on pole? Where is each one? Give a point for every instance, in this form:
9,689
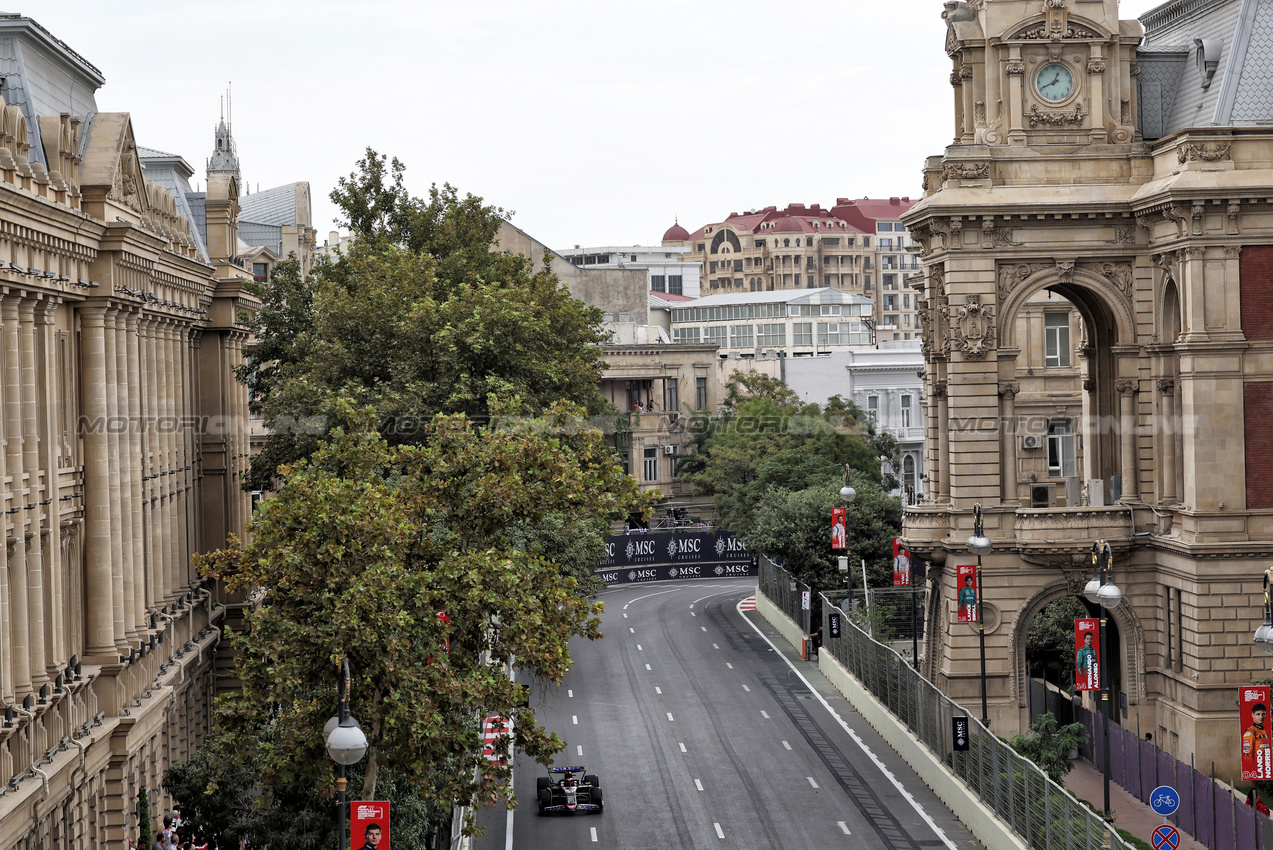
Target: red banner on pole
1087,655
1257,753
369,825
839,529
901,565
966,577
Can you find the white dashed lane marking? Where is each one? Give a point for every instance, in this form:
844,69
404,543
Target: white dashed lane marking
659,691
632,630
698,784
730,666
570,693
716,646
704,628
682,746
844,827
720,833
579,749
764,714
639,649
812,781
747,689
785,744
647,667
593,830
669,716
574,718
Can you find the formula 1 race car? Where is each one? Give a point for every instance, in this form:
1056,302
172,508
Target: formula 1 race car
563,791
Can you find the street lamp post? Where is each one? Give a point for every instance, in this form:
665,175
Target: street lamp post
848,494
979,544
1264,634
1101,589
346,744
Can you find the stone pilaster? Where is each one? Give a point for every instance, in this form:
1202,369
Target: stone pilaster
136,468
33,512
112,437
124,440
1167,442
19,606
1007,417
1127,436
98,586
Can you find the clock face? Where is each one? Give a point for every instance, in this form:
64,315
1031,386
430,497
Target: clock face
1054,82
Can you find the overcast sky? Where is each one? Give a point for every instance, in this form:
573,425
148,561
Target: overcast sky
598,123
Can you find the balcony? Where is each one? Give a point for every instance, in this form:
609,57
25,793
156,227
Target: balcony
1037,532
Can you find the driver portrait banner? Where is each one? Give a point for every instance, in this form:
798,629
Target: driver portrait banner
369,825
901,565
1257,751
839,529
966,579
1087,655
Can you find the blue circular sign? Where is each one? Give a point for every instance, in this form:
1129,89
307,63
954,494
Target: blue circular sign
1164,800
1166,837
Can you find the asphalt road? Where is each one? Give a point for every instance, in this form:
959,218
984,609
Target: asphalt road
707,731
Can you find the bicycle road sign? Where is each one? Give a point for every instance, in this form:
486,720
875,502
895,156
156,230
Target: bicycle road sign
1164,800
1166,837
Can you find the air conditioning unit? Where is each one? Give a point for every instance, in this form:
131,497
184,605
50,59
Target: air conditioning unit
670,450
1032,441
1043,495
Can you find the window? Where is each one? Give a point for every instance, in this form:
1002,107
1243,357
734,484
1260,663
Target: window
884,227
890,302
759,243
906,320
740,336
829,333
674,284
651,464
809,284
908,478
671,394
260,272
738,265
802,333
1056,336
700,393
711,267
685,335
716,335
906,411
889,281
885,244
658,283
873,408
831,241
773,335
1061,449
906,300
674,462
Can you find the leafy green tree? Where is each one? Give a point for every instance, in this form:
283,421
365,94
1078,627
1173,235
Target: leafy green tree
1049,744
1049,642
143,820
362,548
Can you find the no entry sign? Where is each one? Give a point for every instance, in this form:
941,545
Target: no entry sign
1166,837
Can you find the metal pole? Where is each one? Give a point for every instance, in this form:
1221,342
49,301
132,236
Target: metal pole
914,624
342,712
1104,669
981,642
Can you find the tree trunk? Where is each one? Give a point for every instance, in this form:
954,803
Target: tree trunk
369,780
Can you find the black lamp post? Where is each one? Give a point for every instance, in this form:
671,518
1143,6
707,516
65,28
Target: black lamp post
1264,634
1101,589
979,544
346,744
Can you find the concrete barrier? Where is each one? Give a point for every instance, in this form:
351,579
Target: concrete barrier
992,831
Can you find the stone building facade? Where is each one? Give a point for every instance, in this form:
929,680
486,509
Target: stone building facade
1126,168
124,440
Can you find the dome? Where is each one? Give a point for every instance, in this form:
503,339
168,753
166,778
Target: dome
787,225
676,233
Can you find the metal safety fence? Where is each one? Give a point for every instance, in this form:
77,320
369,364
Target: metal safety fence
1042,813
794,598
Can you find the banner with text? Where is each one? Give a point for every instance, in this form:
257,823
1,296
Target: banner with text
369,825
672,547
668,572
1087,655
1257,754
901,565
966,576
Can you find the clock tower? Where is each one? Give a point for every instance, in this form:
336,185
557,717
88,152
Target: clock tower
1031,72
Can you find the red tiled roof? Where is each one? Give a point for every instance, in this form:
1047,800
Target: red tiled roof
676,233
846,216
864,212
667,296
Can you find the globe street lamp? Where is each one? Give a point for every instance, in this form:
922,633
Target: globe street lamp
1101,590
346,744
848,494
1264,634
979,545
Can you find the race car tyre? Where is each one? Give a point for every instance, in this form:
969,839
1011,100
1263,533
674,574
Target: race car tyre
596,794
591,779
545,799
541,782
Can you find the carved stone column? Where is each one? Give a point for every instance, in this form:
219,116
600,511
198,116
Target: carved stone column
55,572
116,514
19,607
153,445
1096,80
137,466
1008,430
168,495
33,515
98,587
943,443
1167,442
1127,436
124,438
1016,117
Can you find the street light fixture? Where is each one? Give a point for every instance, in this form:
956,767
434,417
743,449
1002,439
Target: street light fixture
346,743
1102,590
1264,634
979,545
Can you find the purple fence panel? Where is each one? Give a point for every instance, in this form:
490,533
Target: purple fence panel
1244,823
1204,811
1149,770
1131,762
1170,771
1224,818
1186,815
1116,761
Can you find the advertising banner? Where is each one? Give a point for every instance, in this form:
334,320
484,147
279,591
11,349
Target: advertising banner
1087,655
369,825
666,572
966,578
901,565
1253,709
672,547
839,529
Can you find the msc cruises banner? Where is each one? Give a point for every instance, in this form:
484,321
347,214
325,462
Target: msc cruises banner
663,555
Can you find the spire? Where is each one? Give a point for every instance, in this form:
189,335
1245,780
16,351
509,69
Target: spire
225,156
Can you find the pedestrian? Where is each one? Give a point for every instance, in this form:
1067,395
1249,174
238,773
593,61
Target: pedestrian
815,642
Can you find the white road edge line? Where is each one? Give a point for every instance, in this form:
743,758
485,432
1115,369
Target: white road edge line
937,830
508,831
698,784
844,827
720,833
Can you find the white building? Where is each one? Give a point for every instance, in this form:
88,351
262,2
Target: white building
667,269
791,323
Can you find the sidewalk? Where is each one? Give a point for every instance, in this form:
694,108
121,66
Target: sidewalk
1085,782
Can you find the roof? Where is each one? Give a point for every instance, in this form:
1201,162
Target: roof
169,171
676,233
847,216
665,300
275,206
864,212
825,295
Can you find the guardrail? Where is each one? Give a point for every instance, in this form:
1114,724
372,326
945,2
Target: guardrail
1039,811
